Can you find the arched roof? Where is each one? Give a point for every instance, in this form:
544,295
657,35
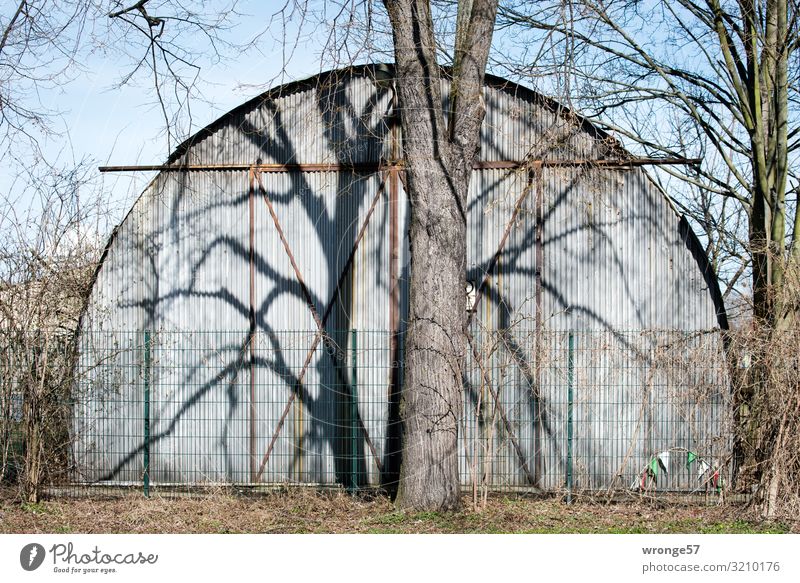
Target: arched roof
332,77
307,112
199,262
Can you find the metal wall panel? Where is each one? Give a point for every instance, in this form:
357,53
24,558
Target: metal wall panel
612,259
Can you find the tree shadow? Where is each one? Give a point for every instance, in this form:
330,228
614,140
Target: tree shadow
190,271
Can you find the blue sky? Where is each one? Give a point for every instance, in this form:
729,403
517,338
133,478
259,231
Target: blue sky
106,124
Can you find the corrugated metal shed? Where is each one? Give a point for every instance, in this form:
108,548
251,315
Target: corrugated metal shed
199,263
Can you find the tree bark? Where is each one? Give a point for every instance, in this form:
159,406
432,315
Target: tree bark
439,160
768,87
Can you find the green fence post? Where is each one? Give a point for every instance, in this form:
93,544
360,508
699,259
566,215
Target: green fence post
354,413
570,371
146,476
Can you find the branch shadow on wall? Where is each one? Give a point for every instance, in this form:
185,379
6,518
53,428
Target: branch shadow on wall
215,399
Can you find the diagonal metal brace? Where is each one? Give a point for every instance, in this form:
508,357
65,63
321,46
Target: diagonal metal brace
500,247
496,398
536,170
320,335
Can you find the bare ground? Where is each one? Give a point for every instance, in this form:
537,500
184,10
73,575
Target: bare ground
309,511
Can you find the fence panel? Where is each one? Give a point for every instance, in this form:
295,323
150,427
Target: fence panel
544,410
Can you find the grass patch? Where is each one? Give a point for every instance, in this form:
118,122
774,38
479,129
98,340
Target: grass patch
308,511
36,508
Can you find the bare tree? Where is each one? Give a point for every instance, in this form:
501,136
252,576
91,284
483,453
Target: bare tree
166,44
439,155
50,247
717,80
439,149
41,43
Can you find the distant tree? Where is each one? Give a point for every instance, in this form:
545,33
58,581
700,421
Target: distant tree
718,80
48,253
715,79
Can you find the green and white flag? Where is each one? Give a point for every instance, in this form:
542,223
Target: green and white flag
663,459
702,468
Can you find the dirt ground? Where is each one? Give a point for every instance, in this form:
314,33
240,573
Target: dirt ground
309,511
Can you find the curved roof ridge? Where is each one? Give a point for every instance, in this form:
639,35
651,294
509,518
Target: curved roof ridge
512,88
312,81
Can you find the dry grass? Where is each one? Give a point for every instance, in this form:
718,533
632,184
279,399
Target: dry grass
309,511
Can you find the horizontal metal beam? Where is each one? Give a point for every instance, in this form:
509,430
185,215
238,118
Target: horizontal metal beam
368,167
603,162
375,167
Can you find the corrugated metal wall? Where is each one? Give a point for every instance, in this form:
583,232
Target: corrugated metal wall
592,249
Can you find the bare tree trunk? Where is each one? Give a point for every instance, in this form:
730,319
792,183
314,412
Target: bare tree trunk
435,346
439,159
34,419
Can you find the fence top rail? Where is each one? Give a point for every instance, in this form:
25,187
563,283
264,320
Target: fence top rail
576,331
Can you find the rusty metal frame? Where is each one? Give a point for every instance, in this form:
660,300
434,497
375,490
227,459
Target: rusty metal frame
538,460
368,167
321,334
252,322
393,445
393,173
393,170
299,276
394,264
532,180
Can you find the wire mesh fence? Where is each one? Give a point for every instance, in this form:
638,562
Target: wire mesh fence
596,411
165,411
